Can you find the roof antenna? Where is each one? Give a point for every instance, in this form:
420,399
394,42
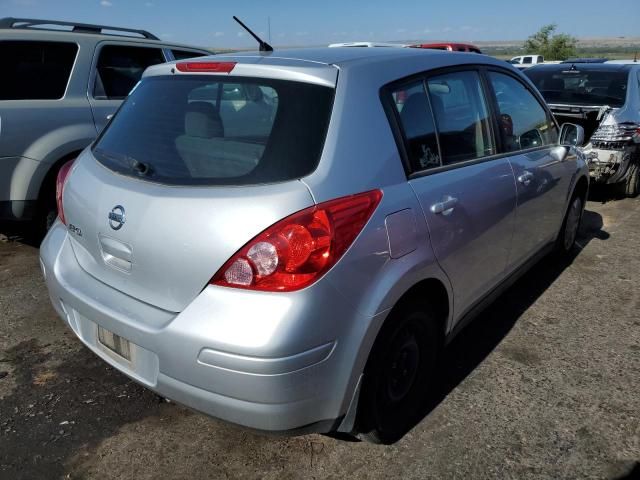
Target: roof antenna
264,46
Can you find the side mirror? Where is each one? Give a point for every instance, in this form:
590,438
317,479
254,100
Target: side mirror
571,135
530,139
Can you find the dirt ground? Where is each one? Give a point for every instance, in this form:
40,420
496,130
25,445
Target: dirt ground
544,384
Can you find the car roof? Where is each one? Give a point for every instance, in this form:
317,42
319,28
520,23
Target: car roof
585,67
49,34
337,56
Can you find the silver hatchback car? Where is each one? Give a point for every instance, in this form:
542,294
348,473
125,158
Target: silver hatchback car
286,240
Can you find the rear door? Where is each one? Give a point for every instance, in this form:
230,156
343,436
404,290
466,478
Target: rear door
116,69
467,195
529,135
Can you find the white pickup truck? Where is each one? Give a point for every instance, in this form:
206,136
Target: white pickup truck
526,61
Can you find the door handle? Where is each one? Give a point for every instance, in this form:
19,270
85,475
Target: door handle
525,178
445,206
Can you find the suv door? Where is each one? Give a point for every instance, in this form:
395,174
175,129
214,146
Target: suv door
529,134
116,69
468,197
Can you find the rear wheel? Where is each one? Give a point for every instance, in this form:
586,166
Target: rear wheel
397,377
47,210
632,183
570,225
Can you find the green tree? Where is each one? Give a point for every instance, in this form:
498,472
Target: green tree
558,46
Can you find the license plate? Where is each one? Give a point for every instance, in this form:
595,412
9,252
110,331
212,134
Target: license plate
115,343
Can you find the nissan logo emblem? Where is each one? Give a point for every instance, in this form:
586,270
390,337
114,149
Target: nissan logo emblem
116,217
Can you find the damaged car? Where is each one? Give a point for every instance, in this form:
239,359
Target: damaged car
605,100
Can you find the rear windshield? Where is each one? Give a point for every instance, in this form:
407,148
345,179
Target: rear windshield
204,130
576,87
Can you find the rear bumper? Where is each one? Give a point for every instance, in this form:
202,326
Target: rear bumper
260,382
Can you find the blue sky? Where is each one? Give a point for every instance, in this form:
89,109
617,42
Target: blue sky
209,23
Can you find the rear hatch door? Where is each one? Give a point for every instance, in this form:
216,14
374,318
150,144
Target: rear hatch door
191,168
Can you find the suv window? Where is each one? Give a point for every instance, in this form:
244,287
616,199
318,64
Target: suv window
462,117
524,123
204,130
182,54
416,119
527,60
35,70
120,68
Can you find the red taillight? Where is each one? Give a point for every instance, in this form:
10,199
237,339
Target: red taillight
195,67
61,180
298,250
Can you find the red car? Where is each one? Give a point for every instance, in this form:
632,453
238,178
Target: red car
452,47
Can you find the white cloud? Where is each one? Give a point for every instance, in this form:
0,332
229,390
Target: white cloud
281,35
427,30
401,30
242,34
149,4
302,34
218,34
447,29
106,3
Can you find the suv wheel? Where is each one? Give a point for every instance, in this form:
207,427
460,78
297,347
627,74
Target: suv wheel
570,225
397,377
632,183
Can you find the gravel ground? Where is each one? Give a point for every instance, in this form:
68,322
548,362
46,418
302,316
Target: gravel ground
544,384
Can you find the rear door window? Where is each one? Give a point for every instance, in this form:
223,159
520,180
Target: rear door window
462,117
36,70
120,67
523,122
207,130
412,104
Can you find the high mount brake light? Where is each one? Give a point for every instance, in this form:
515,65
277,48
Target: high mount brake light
296,251
202,67
61,181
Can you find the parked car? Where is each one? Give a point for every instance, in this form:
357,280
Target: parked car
450,47
61,83
526,61
297,264
605,99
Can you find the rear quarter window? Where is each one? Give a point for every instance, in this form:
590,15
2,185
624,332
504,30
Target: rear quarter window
203,130
120,67
36,70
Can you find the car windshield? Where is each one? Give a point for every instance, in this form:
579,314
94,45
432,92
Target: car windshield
581,87
206,130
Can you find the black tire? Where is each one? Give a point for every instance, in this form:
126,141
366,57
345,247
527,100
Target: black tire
569,230
632,183
47,211
399,372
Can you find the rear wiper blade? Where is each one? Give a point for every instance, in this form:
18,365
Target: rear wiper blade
141,168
